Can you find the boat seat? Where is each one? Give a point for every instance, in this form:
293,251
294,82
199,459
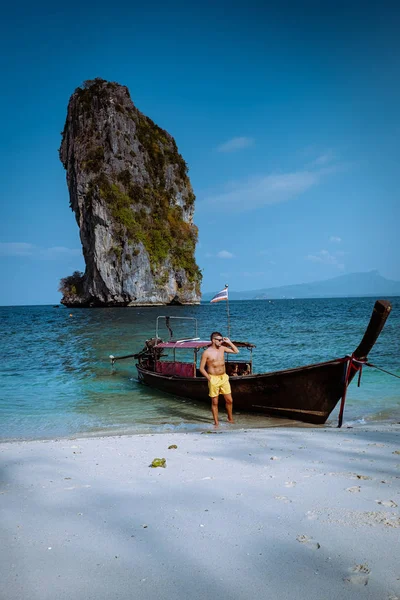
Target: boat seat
179,369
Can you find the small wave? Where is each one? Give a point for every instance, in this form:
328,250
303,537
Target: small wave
361,421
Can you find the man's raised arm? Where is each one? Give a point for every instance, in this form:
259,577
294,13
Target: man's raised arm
232,349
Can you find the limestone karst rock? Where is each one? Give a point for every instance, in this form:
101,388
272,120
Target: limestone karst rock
133,202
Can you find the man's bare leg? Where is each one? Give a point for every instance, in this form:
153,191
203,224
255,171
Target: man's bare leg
228,406
214,410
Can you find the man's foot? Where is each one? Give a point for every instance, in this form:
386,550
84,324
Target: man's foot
216,424
230,421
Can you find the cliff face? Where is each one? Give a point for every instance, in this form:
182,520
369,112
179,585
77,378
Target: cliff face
133,203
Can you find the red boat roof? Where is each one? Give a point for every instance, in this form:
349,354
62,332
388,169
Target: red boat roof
185,344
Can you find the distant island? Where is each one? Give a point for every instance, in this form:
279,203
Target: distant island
370,283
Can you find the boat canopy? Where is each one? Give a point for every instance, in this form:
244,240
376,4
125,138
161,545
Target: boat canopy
196,344
184,344
193,343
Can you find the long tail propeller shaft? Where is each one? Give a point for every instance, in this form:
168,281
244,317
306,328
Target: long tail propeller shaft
115,358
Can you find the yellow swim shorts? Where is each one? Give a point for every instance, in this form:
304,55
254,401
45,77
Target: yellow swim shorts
218,384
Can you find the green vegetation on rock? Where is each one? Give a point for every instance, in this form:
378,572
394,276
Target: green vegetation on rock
72,285
158,224
161,149
94,160
94,87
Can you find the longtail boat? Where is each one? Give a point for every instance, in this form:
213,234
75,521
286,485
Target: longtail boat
308,393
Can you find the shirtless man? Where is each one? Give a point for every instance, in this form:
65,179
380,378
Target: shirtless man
212,366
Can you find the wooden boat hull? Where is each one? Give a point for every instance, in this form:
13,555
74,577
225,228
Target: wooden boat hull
306,394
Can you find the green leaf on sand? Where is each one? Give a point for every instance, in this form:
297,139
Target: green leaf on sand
158,462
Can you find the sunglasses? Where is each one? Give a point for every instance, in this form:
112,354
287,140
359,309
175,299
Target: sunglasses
218,339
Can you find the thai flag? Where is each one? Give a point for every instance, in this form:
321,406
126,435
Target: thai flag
221,295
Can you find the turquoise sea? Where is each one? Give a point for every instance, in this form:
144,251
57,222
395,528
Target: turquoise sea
56,379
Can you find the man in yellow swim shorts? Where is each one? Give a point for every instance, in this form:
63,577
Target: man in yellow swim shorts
212,366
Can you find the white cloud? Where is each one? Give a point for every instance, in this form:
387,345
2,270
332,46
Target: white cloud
326,258
324,159
16,249
335,238
224,254
260,191
220,254
237,143
25,249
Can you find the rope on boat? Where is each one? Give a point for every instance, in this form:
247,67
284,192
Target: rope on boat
383,370
351,363
348,360
357,364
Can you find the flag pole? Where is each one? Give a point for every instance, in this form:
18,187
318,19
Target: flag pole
227,310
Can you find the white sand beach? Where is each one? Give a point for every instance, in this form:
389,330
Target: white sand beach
275,513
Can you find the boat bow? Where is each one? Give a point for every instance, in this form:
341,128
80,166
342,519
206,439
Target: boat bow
379,315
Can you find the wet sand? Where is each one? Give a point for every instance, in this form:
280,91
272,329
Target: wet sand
275,513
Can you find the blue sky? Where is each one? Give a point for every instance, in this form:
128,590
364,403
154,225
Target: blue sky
286,113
